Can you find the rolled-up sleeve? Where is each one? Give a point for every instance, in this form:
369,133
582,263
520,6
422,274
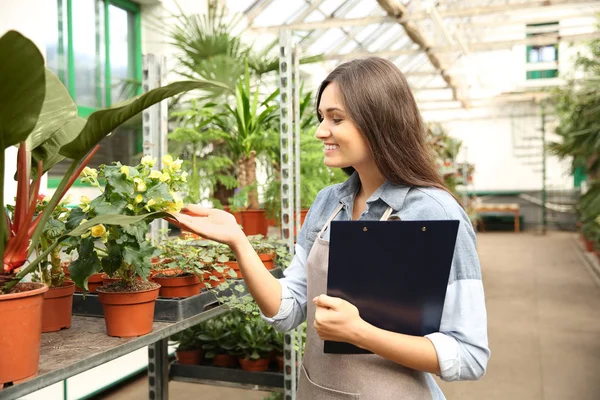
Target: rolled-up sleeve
462,343
292,311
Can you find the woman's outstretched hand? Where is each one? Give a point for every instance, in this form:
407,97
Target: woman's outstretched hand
210,223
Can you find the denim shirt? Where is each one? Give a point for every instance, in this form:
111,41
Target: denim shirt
461,344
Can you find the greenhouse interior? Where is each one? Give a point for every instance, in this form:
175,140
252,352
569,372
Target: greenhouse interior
182,177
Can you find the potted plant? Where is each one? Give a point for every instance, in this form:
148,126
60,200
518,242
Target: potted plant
195,140
255,344
180,273
123,252
58,300
247,127
219,339
37,113
222,254
265,250
189,346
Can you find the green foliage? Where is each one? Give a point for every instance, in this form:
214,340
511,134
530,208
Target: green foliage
244,125
255,338
22,88
102,122
218,334
577,106
194,140
133,191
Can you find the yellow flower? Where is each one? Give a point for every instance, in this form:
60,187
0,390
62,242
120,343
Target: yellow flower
150,203
184,175
89,172
167,160
85,204
98,230
154,174
138,199
140,185
175,165
165,177
175,206
148,161
125,170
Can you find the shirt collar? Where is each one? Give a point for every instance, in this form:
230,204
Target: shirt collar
391,194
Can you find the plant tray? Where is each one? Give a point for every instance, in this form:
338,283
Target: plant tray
267,380
165,310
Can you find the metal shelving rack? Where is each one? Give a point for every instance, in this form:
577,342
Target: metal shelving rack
65,353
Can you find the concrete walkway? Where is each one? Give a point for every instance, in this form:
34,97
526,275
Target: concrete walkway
543,307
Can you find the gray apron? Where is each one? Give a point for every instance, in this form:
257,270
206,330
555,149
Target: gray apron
348,376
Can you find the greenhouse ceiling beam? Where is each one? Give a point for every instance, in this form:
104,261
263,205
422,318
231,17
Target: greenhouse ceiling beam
474,46
312,6
255,9
339,12
398,10
499,99
429,88
458,13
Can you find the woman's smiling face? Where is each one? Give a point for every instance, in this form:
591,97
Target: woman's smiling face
344,145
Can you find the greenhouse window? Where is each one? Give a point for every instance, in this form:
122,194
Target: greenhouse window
545,54
95,49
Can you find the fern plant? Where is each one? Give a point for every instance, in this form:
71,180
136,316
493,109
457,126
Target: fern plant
194,141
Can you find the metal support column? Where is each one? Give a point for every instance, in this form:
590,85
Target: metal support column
287,187
154,121
544,194
158,370
298,204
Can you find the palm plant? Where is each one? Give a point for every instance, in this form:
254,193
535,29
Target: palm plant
246,131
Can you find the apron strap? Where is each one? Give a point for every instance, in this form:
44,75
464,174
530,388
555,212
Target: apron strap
387,214
384,217
335,212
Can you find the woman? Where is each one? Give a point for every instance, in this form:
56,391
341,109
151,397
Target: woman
371,127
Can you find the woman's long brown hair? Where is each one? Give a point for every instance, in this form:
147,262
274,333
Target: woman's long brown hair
379,101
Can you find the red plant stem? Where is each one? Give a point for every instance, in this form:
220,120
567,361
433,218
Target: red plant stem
8,223
33,199
22,202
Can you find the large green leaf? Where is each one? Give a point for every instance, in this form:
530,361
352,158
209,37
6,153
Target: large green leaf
22,87
48,150
57,110
86,264
112,262
115,219
139,258
102,122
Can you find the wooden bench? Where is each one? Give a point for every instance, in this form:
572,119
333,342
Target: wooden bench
512,208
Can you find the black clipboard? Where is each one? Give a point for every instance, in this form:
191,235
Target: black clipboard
395,272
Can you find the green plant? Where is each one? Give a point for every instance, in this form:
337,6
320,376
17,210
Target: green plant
37,113
129,190
177,257
219,334
314,174
189,339
255,338
195,140
50,271
247,127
